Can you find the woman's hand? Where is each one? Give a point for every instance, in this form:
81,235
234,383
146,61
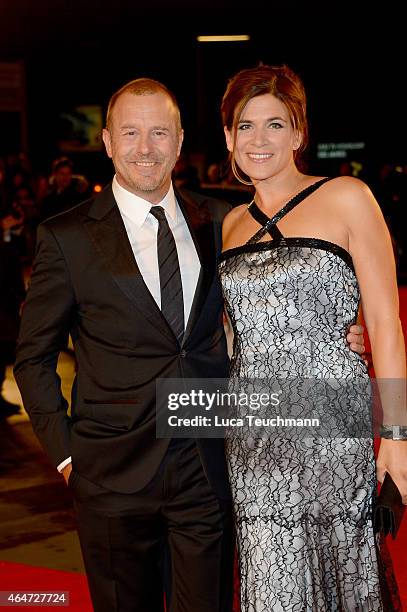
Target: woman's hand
392,458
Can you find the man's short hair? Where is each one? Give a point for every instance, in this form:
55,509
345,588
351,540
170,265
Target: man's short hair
142,87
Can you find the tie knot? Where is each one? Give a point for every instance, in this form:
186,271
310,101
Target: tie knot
158,212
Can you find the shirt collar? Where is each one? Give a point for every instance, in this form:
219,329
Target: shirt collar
136,209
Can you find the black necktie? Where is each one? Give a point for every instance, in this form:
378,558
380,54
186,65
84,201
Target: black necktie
172,301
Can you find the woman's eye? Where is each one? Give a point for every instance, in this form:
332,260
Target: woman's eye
275,125
244,126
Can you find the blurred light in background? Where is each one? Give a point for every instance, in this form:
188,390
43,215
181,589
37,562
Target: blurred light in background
224,38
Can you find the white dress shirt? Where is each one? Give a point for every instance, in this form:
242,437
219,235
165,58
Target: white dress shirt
142,229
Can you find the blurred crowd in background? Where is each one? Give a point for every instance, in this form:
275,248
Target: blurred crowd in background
28,197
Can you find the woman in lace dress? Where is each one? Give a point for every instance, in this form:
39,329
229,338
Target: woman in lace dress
295,264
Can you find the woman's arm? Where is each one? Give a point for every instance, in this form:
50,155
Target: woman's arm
372,253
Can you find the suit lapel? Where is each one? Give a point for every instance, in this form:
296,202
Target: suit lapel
199,221
108,234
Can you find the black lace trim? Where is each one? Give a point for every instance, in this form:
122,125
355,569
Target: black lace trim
312,243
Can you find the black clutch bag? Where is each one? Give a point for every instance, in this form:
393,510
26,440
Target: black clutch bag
389,508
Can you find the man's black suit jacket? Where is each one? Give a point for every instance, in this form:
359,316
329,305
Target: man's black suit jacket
86,283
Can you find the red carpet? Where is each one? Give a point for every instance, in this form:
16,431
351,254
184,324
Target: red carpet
398,554
16,576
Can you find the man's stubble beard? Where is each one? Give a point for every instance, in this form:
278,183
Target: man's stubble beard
149,184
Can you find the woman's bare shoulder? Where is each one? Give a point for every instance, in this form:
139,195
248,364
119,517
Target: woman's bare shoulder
348,185
352,200
234,216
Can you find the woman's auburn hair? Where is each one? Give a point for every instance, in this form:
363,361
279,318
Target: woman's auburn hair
281,82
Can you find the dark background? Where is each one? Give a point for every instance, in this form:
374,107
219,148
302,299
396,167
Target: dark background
350,55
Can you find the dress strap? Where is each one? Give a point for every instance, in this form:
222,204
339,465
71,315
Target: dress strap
263,219
269,224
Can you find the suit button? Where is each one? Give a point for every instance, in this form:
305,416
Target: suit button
183,353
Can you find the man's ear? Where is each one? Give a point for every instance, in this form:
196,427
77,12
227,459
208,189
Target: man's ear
229,139
108,141
180,141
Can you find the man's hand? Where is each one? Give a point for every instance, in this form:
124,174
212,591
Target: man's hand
355,339
66,472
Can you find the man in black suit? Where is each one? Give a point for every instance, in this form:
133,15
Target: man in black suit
96,277
99,276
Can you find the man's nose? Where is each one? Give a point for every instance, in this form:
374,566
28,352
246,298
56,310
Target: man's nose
144,144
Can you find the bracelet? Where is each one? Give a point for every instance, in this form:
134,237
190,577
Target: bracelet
393,432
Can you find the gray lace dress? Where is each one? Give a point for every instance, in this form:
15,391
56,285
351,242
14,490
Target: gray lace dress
303,507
